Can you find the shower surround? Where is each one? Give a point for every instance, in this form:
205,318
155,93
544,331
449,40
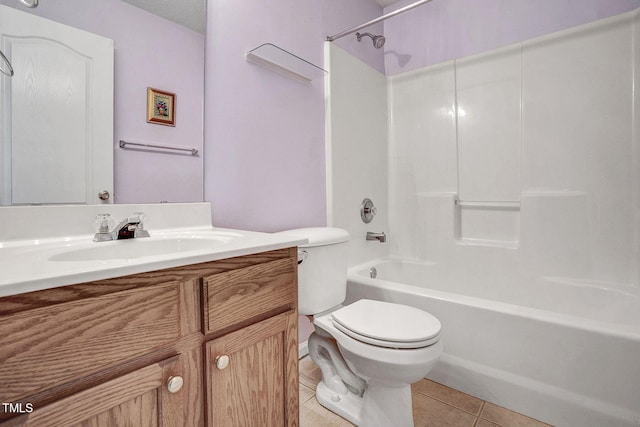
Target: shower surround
507,171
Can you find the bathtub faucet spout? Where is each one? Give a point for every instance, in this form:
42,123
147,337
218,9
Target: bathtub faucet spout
380,237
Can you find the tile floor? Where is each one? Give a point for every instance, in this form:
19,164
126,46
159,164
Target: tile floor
434,405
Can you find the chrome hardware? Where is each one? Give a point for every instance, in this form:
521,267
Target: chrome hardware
302,256
104,195
367,211
380,237
222,362
378,40
376,20
192,151
174,384
129,228
34,3
373,272
103,222
8,70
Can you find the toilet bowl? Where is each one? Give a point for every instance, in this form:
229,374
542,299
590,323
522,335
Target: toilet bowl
388,362
369,352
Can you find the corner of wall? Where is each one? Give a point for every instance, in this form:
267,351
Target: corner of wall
357,165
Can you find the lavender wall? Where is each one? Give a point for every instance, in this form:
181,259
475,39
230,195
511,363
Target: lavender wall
149,51
264,133
447,29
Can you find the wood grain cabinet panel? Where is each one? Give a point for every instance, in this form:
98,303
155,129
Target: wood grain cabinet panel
248,294
51,345
140,399
258,386
100,353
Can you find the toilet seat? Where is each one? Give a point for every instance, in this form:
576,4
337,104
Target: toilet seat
387,325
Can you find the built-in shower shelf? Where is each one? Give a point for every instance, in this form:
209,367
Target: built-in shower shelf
487,223
277,59
488,204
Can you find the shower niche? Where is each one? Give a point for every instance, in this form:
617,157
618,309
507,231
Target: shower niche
487,223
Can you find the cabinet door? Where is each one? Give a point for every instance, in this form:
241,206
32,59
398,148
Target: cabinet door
47,347
140,398
258,384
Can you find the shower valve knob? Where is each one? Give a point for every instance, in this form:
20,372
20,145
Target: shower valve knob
367,211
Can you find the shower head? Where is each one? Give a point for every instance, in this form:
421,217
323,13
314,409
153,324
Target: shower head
378,41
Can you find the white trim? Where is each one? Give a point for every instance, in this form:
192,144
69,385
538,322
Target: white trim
328,135
303,349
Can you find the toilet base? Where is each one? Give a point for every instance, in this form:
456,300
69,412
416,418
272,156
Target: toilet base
386,406
381,406
346,405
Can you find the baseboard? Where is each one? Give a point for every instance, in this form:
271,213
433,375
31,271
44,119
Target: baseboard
303,349
553,405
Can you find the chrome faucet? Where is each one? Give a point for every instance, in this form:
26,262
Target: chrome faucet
129,228
380,237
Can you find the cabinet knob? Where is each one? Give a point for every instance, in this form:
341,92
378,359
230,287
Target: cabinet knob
174,384
222,361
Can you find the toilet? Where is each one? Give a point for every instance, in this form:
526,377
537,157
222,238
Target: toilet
369,352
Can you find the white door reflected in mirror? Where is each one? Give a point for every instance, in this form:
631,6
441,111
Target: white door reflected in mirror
56,144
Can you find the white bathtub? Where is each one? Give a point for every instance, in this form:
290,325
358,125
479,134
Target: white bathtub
562,351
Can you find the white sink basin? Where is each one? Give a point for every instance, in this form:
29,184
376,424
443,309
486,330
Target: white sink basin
45,254
140,248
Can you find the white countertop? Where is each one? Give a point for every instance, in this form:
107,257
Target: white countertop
27,266
48,247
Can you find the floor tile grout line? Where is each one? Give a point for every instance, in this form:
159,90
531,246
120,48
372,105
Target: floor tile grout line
453,406
313,394
481,408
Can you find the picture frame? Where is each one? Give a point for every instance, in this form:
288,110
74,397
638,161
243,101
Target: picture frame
161,107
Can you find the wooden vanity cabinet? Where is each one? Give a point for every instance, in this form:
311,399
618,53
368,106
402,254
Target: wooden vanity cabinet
251,364
206,344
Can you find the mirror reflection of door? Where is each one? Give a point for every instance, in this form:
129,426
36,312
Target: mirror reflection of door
56,140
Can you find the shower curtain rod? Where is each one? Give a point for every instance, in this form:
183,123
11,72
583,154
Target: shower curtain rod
376,20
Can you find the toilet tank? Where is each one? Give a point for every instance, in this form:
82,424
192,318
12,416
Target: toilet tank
322,268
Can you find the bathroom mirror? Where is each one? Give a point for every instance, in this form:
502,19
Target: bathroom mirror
156,44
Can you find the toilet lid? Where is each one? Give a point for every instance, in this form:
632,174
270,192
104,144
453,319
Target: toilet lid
387,324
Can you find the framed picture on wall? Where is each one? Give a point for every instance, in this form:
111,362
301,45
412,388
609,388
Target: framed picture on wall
161,107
